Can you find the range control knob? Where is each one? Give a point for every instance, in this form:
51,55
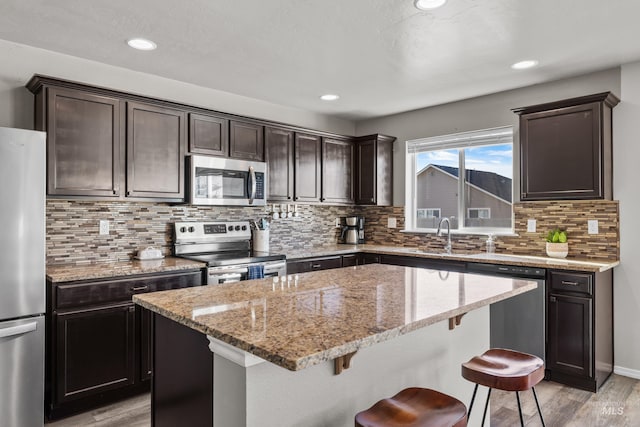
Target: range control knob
183,229
237,228
192,229
244,228
230,228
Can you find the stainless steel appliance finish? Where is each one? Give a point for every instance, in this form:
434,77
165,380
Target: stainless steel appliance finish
22,277
517,323
226,248
226,182
352,230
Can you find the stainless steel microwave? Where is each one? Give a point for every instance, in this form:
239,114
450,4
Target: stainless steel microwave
226,182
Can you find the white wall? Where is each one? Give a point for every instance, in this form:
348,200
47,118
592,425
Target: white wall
626,158
479,113
20,62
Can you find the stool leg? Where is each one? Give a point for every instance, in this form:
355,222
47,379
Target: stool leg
486,405
535,396
475,389
519,409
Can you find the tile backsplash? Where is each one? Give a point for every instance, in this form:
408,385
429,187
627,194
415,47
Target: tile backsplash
73,228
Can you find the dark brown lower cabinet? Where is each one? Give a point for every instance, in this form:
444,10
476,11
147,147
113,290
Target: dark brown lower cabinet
579,328
98,343
95,350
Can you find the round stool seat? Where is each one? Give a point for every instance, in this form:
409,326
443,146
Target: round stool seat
415,407
504,369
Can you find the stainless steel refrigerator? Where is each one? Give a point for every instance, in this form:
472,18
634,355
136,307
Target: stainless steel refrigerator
22,277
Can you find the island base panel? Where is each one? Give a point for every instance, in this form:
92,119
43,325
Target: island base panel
182,383
268,395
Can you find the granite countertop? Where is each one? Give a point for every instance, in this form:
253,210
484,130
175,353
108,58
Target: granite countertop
69,273
496,258
313,317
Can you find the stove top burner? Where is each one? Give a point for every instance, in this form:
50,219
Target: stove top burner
233,258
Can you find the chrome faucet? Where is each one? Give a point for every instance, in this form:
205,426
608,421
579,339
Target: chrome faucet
447,248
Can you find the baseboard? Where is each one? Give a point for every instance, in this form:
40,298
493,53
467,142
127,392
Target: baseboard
626,372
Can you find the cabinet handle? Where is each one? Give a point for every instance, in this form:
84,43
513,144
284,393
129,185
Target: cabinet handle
296,198
315,266
115,192
132,309
128,193
139,288
322,199
552,299
565,282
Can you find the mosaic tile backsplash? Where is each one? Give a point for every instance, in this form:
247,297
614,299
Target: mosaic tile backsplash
73,237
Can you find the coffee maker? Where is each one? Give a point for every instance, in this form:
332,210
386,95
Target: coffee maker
352,230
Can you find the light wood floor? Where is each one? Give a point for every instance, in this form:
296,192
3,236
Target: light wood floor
617,404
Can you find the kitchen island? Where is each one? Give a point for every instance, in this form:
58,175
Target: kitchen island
316,348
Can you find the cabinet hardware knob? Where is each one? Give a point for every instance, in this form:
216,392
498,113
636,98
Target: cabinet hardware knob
552,299
128,193
115,192
132,309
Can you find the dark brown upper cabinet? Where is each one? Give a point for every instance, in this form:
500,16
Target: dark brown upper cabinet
337,171
279,157
307,167
155,151
374,166
565,149
208,135
246,141
83,142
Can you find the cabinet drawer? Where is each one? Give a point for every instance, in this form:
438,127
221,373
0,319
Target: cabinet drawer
91,293
349,260
571,282
314,264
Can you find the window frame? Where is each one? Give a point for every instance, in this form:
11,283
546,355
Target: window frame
459,141
430,209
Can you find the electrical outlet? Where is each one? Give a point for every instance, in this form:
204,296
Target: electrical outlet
531,225
337,222
391,222
592,226
104,226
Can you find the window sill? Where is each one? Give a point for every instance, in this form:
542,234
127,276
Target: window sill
496,233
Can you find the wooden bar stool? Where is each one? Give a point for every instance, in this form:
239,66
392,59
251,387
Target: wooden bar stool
505,370
415,407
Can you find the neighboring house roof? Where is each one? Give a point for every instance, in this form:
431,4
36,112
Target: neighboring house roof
498,185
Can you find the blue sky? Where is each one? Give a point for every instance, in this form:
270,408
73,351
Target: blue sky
491,158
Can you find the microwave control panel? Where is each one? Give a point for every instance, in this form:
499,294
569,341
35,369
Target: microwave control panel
259,185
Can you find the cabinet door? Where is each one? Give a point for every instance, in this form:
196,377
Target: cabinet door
279,157
337,171
562,153
83,143
308,163
155,151
208,135
569,335
368,259
367,179
349,260
246,141
94,351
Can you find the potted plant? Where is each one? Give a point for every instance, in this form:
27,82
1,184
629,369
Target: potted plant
557,246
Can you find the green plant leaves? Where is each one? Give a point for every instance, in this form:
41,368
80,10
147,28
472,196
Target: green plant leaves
557,236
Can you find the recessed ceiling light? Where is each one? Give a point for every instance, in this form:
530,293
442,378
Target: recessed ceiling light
142,44
428,4
330,97
523,65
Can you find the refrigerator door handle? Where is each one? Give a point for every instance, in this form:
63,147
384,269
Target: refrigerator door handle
18,330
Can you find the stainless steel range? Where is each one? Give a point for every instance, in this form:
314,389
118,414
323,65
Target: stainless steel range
226,248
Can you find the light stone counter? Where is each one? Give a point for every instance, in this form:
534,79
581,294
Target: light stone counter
69,273
319,316
496,258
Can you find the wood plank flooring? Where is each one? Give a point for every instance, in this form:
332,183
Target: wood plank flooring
617,404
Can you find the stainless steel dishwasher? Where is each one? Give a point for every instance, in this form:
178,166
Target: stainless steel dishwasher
517,323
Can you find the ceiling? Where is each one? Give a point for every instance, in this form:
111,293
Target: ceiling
380,56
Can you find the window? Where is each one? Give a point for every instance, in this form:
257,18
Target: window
467,175
482,213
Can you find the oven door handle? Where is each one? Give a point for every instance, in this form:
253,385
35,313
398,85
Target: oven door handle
228,270
252,184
